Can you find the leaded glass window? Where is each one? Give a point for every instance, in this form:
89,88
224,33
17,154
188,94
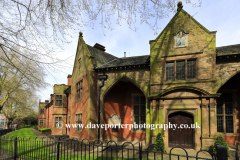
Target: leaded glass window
41,122
58,122
170,71
191,69
180,70
58,100
139,104
184,70
225,113
220,123
78,120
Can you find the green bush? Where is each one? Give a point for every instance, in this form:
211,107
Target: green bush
160,142
220,141
44,129
35,126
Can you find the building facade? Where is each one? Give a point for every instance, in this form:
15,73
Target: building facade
3,120
185,80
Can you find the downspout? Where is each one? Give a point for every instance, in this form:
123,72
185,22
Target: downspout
67,113
48,115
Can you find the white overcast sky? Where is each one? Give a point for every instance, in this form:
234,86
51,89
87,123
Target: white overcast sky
222,16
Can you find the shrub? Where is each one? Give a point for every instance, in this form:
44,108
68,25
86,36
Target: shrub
160,142
44,129
20,125
220,141
35,126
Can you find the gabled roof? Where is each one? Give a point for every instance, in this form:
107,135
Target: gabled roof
228,50
100,56
174,18
126,61
68,90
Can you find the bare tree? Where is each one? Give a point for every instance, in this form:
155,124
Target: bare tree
28,28
18,78
33,25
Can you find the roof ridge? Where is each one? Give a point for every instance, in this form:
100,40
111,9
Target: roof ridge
228,45
102,51
134,56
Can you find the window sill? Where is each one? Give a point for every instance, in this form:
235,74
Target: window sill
195,80
180,46
228,134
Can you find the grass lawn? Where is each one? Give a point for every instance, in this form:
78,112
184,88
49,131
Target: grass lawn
25,132
29,148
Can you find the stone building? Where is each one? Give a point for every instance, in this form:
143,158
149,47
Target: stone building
185,80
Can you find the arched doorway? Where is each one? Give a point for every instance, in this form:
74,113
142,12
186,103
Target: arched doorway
182,135
124,103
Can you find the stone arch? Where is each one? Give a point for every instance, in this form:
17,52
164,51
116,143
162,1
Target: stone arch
221,81
108,88
192,113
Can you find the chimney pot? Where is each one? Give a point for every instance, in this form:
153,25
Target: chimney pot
69,77
46,101
124,54
99,47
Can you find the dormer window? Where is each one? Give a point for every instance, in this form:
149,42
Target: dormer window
181,39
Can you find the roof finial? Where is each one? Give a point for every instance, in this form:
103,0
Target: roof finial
80,34
180,6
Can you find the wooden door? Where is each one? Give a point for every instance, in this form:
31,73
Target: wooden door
182,137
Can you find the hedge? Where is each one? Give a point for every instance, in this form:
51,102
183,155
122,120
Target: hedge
44,129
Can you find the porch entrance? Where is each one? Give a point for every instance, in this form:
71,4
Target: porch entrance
182,137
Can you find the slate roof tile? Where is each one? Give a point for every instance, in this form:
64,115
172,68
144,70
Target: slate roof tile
228,50
126,61
100,56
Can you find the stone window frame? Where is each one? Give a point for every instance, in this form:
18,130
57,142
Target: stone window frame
181,33
78,130
41,122
224,115
79,89
175,69
132,113
41,110
55,122
58,100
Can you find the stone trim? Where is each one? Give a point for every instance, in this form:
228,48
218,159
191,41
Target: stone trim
181,33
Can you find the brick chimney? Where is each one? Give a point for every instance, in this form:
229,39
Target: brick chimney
99,47
69,77
46,101
51,95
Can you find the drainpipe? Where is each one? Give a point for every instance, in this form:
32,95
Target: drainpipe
102,78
